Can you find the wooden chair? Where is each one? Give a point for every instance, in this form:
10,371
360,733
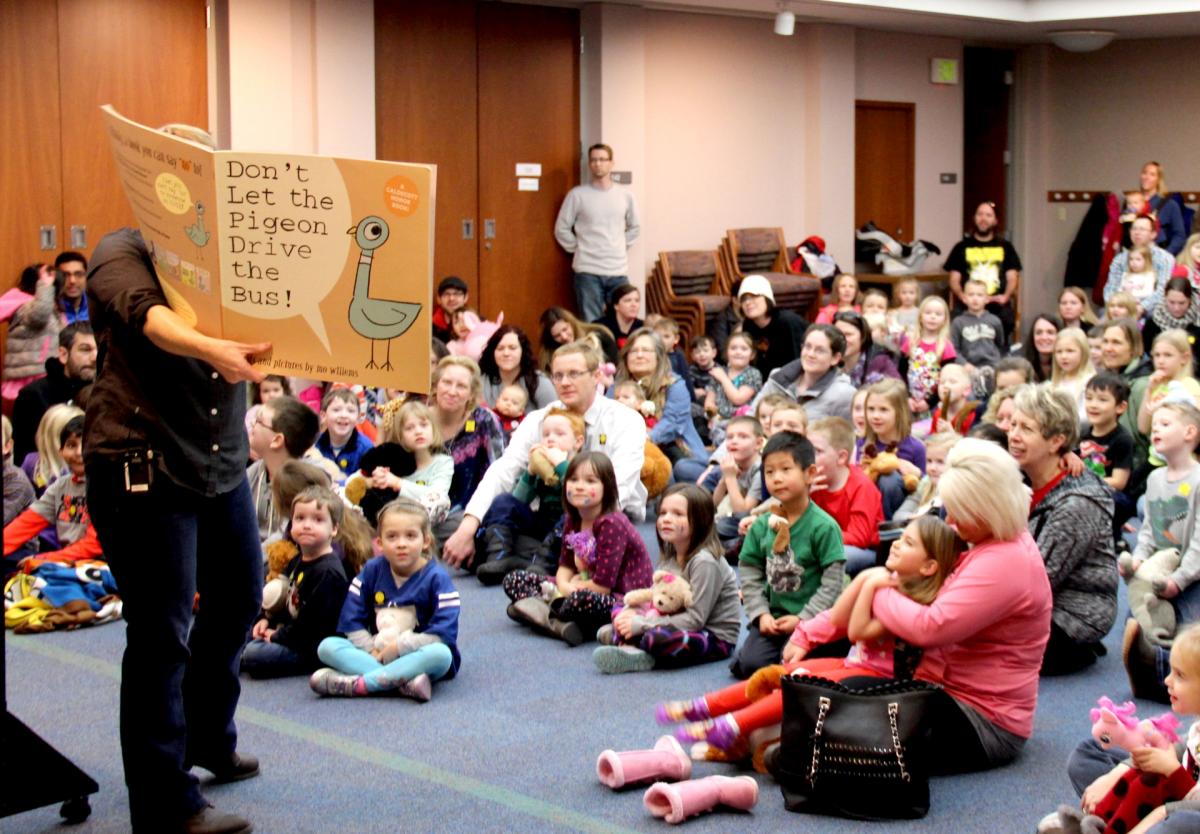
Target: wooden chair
690,286
763,251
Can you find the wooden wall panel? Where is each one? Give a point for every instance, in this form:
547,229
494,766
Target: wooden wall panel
884,166
425,111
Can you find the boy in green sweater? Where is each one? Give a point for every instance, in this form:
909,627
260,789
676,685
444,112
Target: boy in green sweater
792,560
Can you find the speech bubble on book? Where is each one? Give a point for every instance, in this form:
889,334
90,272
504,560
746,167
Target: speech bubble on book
285,243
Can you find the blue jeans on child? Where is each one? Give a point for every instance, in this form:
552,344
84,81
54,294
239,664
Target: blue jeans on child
338,652
179,681
858,559
592,292
687,470
262,659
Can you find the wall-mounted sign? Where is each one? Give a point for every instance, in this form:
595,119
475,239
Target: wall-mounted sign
527,183
943,70
529,169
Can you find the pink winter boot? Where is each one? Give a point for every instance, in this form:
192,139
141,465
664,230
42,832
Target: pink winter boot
666,761
677,802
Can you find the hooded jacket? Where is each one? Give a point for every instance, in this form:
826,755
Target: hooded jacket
832,395
32,331
1072,526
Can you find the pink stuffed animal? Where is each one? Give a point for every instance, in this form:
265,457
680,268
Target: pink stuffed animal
480,330
1119,725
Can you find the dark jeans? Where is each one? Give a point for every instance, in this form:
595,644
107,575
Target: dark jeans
592,293
688,470
261,659
179,675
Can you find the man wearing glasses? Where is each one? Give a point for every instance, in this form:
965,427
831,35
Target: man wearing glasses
614,429
598,224
72,286
985,256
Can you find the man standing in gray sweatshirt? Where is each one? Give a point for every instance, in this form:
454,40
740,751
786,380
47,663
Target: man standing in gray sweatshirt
597,223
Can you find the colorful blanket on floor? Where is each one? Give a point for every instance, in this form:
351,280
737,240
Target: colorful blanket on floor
48,596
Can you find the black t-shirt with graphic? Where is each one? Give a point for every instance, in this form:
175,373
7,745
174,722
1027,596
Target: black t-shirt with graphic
983,260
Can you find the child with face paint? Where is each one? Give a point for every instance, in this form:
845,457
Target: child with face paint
603,557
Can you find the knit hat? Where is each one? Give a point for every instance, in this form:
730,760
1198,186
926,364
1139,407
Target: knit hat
756,285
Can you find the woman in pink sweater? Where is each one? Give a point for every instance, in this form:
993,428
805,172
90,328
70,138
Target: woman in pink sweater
985,633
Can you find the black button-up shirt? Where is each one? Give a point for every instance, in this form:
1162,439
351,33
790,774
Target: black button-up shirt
147,399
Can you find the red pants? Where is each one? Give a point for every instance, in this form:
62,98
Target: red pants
768,710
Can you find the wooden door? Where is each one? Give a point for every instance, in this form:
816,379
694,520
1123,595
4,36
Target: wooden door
528,112
30,158
425,111
146,58
884,165
986,86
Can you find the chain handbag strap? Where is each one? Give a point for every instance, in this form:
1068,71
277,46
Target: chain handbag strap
893,719
820,728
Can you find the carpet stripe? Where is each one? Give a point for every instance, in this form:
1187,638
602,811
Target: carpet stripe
466,785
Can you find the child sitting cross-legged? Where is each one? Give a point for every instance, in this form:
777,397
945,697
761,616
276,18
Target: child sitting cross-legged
63,505
706,629
740,489
889,432
845,492
1107,447
399,623
511,516
791,562
603,558
284,642
919,562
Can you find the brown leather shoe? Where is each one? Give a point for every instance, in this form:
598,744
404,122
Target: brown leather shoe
211,821
233,769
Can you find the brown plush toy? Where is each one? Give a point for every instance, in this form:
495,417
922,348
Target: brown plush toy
669,594
279,554
541,466
656,471
885,463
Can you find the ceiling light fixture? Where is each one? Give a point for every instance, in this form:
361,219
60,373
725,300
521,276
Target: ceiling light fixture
1082,40
785,22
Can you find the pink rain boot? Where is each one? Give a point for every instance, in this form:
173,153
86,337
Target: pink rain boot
666,761
675,803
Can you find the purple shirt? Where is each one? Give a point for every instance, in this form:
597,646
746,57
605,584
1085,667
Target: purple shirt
909,449
621,561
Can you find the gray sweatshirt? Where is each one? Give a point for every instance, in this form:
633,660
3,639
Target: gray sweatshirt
1171,522
715,602
598,225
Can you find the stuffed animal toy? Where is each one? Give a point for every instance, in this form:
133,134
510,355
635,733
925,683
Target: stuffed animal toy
391,456
885,463
542,462
669,594
656,470
1118,726
275,593
1155,615
394,630
478,332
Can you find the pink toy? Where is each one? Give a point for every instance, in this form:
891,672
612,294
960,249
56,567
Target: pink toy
1119,726
665,761
476,340
675,803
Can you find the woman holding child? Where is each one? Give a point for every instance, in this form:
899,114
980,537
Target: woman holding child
508,359
985,633
864,361
1071,519
644,360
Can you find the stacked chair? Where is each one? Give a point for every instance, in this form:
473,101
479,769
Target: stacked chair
690,286
764,252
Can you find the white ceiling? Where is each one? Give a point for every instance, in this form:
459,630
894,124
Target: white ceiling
1006,21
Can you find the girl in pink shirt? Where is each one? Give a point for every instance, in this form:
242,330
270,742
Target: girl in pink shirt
919,562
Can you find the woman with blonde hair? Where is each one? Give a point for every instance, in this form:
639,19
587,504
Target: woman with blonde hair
989,622
1071,518
1075,309
644,360
1152,182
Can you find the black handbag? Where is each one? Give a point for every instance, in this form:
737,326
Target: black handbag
857,753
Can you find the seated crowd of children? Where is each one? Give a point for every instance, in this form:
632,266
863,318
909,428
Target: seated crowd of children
765,538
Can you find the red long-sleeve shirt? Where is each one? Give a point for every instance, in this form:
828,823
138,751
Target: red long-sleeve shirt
857,508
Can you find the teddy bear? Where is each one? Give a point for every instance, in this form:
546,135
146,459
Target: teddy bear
542,462
394,631
656,470
885,463
1146,581
669,594
275,593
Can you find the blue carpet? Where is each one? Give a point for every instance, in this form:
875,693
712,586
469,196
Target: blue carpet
509,745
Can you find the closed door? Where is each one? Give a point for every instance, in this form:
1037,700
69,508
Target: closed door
884,163
64,60
476,88
528,113
987,81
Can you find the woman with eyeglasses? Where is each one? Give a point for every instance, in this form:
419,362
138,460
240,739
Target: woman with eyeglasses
864,361
816,380
644,360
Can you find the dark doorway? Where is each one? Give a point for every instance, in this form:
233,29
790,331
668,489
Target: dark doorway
987,85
